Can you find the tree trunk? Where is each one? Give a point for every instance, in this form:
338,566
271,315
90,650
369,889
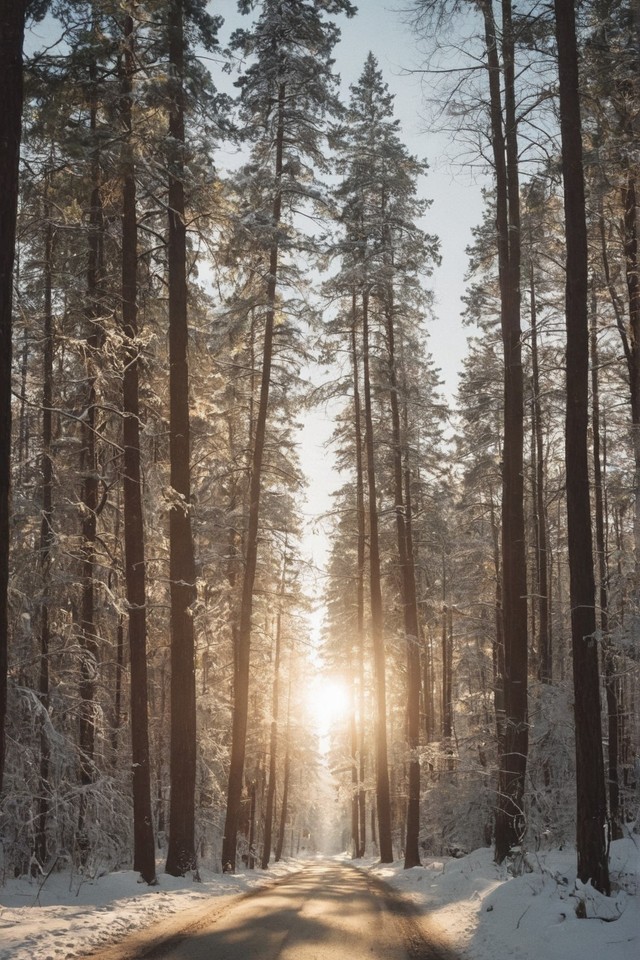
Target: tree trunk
545,660
135,566
610,681
89,470
251,840
377,621
412,850
632,267
408,592
284,809
12,17
241,679
498,644
273,737
428,691
117,693
23,426
510,822
46,538
591,802
353,750
181,855
361,521
447,664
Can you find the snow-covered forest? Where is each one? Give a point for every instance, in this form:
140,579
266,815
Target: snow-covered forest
204,246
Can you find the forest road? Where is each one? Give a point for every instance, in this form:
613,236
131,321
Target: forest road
328,911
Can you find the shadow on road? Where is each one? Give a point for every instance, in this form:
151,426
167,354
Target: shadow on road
326,912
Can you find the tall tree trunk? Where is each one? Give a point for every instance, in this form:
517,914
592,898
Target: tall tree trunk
498,644
610,680
353,750
545,660
286,779
46,538
361,522
91,506
408,593
447,663
273,735
351,670
12,17
117,693
181,854
251,839
135,566
23,428
591,801
510,821
428,691
241,679
632,268
412,851
377,620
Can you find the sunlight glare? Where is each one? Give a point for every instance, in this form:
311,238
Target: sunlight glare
328,703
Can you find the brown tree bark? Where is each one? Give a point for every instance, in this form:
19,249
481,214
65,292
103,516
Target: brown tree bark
23,424
12,18
610,680
92,503
545,659
353,749
591,801
447,664
510,821
135,564
181,854
243,647
412,850
632,267
383,795
286,779
361,842
46,537
273,733
404,543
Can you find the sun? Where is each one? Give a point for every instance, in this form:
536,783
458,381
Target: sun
328,702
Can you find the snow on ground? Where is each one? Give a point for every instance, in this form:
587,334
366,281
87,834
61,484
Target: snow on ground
474,905
486,914
67,917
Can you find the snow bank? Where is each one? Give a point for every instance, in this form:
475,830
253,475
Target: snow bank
70,916
484,913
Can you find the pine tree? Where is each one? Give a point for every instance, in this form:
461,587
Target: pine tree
385,255
135,561
12,23
591,797
285,96
181,855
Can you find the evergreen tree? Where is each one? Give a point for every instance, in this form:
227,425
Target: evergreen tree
385,256
285,94
591,797
135,560
12,25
